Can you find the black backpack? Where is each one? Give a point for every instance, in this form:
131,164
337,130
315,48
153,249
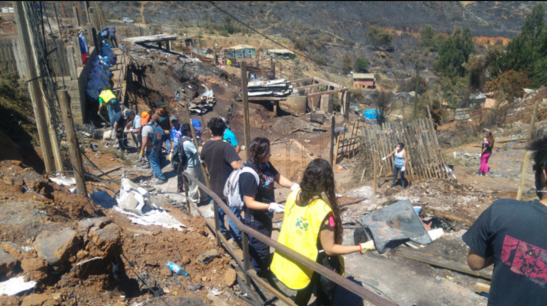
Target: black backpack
180,155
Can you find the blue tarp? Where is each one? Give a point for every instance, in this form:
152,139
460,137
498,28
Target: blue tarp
372,114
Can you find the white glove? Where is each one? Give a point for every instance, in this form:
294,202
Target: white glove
403,168
367,246
384,158
113,135
295,186
276,208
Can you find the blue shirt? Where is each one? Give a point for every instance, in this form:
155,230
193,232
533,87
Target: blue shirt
176,135
230,137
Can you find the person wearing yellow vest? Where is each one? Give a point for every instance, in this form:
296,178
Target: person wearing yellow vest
108,97
313,228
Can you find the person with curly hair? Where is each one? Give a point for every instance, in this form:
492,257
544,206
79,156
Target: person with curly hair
260,202
313,228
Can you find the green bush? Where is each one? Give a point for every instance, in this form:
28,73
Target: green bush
379,37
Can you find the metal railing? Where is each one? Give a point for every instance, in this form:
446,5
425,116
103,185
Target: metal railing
244,264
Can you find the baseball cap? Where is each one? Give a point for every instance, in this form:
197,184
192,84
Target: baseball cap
161,104
197,124
126,113
173,118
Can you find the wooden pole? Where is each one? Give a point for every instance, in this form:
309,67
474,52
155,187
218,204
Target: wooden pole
34,87
246,109
332,142
526,157
73,146
196,143
375,181
415,112
76,16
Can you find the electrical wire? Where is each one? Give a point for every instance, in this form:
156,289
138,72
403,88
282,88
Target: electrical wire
270,39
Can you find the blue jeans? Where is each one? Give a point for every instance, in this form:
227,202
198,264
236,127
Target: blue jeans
112,109
234,231
396,170
154,159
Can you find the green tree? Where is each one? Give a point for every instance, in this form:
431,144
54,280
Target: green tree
360,65
534,22
427,37
346,64
454,52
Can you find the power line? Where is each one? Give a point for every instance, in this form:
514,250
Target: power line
268,38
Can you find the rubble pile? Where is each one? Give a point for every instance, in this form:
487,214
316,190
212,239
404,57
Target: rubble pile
273,88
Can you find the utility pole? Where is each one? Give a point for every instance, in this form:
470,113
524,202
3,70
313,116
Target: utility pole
415,113
72,139
332,157
34,87
246,109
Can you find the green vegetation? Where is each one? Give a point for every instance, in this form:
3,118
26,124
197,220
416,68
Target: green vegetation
360,65
454,52
430,40
226,29
380,38
346,64
525,53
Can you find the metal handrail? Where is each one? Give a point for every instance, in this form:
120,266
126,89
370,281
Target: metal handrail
362,292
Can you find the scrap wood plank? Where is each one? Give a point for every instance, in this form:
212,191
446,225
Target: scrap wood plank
441,214
480,287
439,261
109,171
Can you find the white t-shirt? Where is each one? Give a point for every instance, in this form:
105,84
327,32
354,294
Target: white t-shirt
148,131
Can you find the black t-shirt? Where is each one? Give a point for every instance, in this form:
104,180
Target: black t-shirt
515,234
218,155
488,148
265,191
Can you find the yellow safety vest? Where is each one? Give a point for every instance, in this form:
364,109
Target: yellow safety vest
300,231
107,95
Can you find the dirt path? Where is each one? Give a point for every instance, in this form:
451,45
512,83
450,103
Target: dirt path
143,3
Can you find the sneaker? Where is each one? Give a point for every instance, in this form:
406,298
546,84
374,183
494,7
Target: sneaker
159,182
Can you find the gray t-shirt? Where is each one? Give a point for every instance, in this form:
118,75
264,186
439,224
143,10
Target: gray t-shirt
190,151
148,131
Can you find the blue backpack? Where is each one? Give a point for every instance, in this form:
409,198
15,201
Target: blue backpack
158,133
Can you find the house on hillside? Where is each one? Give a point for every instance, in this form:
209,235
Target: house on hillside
240,51
280,53
364,80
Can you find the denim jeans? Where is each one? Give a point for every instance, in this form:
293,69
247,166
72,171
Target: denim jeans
234,231
112,108
154,159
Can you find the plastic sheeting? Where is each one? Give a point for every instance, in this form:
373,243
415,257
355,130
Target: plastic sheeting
395,224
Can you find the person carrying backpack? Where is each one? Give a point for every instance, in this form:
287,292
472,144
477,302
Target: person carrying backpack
188,162
259,199
152,135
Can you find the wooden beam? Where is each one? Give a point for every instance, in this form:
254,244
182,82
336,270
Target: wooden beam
330,92
151,38
246,109
526,157
72,139
438,261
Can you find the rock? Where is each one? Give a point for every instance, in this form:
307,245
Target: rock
105,242
206,256
56,247
7,262
195,287
230,278
33,180
35,299
86,224
186,260
36,267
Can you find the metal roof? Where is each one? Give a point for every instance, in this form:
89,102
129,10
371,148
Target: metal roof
363,76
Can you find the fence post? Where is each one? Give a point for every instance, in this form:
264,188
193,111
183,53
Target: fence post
72,139
332,142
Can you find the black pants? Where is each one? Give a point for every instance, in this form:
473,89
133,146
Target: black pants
403,180
325,289
259,251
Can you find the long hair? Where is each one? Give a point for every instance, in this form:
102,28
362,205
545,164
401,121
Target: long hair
490,139
318,179
260,148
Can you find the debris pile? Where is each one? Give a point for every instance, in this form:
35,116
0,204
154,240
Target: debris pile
204,103
275,88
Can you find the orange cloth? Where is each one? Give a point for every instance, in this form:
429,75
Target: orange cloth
145,118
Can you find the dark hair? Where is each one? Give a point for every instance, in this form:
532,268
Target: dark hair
490,139
318,179
260,148
538,149
185,129
217,126
402,145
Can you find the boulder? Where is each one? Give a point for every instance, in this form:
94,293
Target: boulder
133,198
85,224
33,180
56,247
105,242
230,278
206,256
7,262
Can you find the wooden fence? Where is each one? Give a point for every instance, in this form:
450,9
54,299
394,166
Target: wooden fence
10,58
422,147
